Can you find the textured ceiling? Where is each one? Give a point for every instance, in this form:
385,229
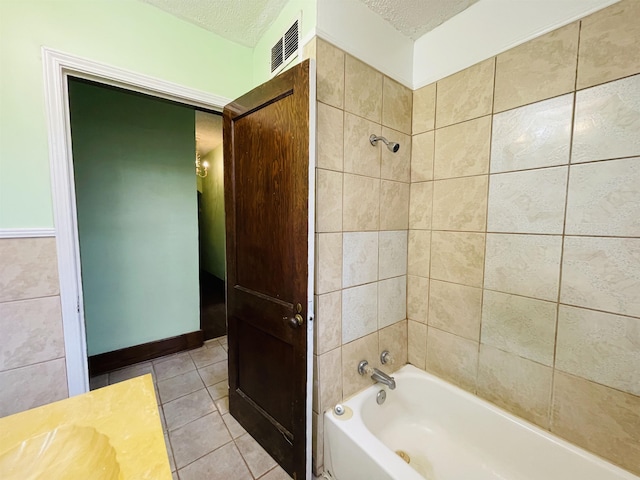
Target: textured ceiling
414,18
208,132
241,21
244,21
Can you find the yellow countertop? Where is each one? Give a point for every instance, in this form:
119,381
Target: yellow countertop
87,431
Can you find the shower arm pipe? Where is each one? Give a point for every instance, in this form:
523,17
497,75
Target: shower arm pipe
392,146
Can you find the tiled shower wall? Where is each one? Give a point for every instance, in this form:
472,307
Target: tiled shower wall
362,222
524,232
32,363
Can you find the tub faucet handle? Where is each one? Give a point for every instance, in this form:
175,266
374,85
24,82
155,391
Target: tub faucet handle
364,368
386,358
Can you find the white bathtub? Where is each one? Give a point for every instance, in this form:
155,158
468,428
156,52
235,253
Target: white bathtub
448,434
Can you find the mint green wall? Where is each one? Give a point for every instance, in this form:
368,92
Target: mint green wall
123,33
262,51
212,233
137,216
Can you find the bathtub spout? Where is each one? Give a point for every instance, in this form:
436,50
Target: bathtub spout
383,378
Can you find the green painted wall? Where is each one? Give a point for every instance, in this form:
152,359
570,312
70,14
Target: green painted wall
212,231
262,51
124,33
137,216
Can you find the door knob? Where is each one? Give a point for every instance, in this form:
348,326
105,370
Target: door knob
296,321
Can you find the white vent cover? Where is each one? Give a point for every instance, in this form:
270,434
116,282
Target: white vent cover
286,48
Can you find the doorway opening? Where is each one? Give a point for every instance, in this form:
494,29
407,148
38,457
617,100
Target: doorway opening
211,227
138,223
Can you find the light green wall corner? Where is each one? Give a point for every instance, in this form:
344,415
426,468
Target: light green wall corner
123,33
137,216
262,51
212,229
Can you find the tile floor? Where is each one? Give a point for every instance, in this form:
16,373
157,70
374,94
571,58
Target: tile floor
203,440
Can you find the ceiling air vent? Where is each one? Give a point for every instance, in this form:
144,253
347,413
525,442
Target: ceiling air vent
286,48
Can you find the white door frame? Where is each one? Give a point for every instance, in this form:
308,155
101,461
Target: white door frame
57,67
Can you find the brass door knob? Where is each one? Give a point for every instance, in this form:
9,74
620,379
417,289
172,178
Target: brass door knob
296,321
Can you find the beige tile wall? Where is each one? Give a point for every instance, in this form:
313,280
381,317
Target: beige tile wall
32,363
362,219
525,191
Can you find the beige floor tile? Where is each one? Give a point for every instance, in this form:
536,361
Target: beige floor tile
168,367
235,429
258,460
219,390
180,385
222,405
207,355
215,373
186,409
130,372
226,463
276,474
198,438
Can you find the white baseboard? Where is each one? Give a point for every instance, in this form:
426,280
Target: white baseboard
27,232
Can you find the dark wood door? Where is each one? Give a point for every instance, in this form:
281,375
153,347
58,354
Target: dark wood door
266,163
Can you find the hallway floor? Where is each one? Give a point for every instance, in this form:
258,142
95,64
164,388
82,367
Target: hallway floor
203,440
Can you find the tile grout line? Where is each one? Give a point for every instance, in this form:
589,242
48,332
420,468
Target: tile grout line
486,227
433,174
562,245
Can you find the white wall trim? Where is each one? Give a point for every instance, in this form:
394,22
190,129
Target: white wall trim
311,229
57,67
27,232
